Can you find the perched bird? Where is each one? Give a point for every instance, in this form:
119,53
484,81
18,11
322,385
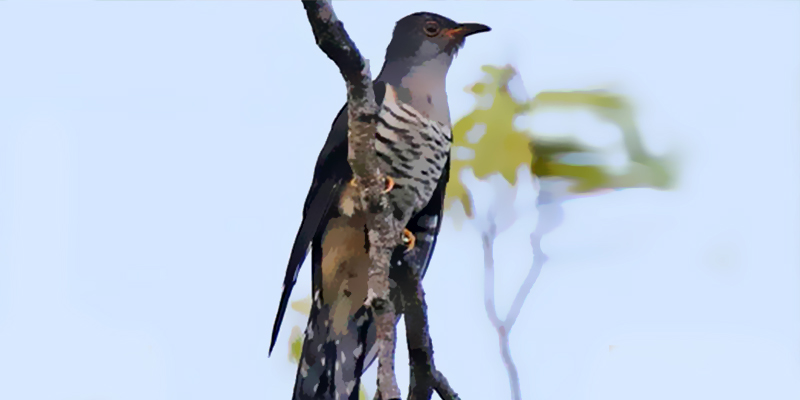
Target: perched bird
413,143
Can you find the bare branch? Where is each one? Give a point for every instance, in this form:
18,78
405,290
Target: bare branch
443,388
420,348
491,311
505,352
544,224
425,378
384,232
334,41
539,258
488,275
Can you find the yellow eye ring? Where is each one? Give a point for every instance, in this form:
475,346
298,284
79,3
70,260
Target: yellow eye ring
431,28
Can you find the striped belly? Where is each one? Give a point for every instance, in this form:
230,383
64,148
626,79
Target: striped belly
413,151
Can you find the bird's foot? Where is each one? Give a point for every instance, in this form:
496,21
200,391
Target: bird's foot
389,184
409,239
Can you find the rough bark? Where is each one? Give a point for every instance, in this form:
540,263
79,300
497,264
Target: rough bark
383,232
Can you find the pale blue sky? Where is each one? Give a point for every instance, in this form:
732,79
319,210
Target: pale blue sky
154,158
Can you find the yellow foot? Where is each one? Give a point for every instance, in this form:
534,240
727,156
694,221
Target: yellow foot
409,239
389,184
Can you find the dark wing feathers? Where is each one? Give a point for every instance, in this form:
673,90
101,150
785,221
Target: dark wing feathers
318,207
330,174
435,207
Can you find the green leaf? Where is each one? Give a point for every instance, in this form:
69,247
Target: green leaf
501,149
303,306
478,88
295,344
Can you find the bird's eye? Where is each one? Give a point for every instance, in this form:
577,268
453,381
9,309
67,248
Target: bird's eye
431,28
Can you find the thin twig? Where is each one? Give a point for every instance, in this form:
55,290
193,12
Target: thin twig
539,258
383,232
488,275
543,225
489,302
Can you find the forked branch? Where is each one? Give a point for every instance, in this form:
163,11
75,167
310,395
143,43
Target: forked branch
384,233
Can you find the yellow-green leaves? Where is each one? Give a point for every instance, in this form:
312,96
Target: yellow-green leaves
303,306
295,344
486,139
643,170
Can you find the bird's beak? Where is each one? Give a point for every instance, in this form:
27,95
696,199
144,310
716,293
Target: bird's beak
463,30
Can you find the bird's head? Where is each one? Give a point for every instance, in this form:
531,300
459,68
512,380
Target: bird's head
424,36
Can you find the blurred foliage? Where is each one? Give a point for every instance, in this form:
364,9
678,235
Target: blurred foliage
295,344
503,148
303,306
500,146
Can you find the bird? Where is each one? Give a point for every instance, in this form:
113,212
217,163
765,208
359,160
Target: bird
413,139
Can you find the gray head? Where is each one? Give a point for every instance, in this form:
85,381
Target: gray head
423,36
418,57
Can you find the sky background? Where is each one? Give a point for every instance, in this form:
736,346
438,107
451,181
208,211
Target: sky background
154,159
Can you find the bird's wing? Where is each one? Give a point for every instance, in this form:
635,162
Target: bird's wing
331,173
426,225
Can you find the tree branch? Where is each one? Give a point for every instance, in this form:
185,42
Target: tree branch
491,311
488,274
539,258
549,218
443,388
384,232
425,378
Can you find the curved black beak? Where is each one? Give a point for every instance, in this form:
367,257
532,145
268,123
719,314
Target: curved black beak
463,30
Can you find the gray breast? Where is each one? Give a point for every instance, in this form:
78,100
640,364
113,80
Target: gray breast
413,150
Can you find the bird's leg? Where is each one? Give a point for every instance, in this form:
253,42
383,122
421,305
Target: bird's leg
409,239
389,184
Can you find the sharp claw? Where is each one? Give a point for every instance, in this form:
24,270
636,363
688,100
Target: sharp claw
389,184
353,182
409,239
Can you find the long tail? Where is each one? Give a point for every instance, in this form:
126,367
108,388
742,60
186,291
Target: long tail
331,364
